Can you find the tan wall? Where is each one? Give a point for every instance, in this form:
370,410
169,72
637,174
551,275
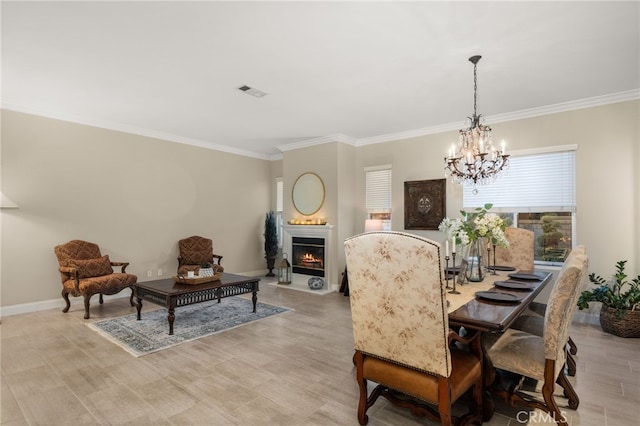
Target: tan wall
134,196
137,196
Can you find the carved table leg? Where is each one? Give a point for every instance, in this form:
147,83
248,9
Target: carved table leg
171,319
254,298
138,306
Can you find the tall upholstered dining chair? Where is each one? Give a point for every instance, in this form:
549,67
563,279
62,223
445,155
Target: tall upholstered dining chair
532,320
400,326
543,357
85,272
194,251
520,252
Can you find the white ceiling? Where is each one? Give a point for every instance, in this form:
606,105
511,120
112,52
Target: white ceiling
356,71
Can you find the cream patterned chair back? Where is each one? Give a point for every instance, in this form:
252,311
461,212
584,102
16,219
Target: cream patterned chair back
520,252
398,304
562,306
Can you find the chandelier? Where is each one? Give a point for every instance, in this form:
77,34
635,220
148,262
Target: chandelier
475,160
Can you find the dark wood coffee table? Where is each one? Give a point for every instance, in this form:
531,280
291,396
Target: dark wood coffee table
170,294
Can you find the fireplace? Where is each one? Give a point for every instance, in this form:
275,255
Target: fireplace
312,253
308,256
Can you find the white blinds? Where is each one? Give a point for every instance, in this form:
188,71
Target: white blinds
541,182
378,189
279,195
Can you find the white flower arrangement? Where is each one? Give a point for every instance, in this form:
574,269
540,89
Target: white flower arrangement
472,226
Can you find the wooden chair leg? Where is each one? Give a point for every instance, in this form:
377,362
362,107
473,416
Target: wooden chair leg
101,299
573,348
568,391
65,296
358,358
131,298
547,393
571,364
86,306
444,401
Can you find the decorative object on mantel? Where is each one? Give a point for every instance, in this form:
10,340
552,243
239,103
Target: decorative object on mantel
284,270
475,160
475,231
307,222
620,313
270,241
316,283
424,203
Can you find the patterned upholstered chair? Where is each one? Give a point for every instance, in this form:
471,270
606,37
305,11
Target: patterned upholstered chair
520,252
532,320
542,357
400,327
85,272
194,251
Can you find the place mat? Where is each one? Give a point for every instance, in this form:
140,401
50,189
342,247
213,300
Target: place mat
514,285
496,296
522,276
501,268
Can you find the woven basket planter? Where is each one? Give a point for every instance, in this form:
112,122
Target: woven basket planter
627,325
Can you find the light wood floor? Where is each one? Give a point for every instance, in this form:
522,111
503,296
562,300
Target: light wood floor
292,369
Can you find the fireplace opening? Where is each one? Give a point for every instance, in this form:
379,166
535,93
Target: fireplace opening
308,256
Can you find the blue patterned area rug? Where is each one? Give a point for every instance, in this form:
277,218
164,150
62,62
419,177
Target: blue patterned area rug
151,333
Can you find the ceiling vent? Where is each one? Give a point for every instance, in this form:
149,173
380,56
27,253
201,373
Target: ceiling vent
253,92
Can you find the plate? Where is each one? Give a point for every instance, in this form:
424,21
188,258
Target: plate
496,296
501,268
519,276
514,285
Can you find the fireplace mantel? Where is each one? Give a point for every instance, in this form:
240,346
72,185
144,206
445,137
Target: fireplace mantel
300,281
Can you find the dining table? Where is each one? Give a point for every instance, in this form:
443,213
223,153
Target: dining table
491,306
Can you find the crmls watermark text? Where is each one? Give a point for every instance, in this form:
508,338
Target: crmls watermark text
532,417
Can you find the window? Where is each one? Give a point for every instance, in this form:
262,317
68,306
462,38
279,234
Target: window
280,210
378,194
538,193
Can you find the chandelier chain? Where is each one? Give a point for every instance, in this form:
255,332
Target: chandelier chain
475,90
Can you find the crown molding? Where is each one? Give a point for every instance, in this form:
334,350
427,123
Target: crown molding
125,128
596,101
318,141
629,95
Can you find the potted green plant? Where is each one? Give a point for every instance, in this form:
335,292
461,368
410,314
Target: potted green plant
620,313
270,241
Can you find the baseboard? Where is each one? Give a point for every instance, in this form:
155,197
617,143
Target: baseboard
26,308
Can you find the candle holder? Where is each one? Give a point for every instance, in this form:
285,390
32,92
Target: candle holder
493,270
446,272
454,291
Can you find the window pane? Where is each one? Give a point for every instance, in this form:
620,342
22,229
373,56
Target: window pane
552,231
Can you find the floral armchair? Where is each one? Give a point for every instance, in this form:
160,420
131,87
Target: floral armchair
400,325
85,272
194,251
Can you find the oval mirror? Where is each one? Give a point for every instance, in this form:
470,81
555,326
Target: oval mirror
308,193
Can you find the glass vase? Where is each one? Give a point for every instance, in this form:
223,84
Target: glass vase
475,270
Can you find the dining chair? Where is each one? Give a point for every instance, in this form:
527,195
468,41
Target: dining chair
541,357
532,320
401,332
520,252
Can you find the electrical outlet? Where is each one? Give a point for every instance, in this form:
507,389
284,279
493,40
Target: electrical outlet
149,273
159,272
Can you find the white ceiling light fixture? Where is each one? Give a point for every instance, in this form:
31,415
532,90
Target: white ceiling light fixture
252,91
475,160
